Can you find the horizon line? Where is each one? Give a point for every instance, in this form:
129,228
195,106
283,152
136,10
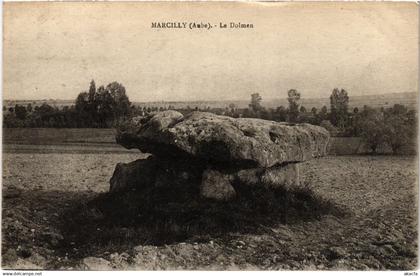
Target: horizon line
175,101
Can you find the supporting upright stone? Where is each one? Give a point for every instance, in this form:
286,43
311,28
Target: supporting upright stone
216,185
274,177
133,175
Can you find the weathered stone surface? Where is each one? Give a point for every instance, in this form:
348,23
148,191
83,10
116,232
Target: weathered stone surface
133,175
96,264
24,264
206,154
286,176
242,142
216,185
152,173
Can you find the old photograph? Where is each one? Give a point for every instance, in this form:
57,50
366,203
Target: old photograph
210,136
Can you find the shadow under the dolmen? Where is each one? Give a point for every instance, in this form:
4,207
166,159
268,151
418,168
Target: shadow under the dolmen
165,215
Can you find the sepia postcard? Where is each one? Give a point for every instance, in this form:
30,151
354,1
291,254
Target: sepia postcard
210,136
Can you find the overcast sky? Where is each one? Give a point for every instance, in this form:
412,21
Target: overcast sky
53,50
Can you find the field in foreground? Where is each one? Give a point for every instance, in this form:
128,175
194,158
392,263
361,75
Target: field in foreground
377,229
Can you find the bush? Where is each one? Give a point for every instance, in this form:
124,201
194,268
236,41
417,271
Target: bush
394,127
328,126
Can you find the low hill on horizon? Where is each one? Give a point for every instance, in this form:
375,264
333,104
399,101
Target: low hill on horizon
408,99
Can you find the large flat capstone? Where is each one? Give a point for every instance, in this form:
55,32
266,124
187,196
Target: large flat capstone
238,142
213,154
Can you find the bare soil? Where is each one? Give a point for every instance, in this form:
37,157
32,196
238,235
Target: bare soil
358,213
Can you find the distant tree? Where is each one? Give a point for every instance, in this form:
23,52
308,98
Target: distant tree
397,109
328,126
29,108
372,128
339,101
92,92
396,132
293,97
302,109
11,110
121,103
280,115
399,130
366,108
105,107
20,112
102,107
412,119
353,126
314,111
92,103
320,116
255,104
247,113
267,114
44,109
82,102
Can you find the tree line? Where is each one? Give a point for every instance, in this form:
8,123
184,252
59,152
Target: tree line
107,106
394,127
101,107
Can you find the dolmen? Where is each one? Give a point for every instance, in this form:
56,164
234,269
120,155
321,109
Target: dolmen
213,154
